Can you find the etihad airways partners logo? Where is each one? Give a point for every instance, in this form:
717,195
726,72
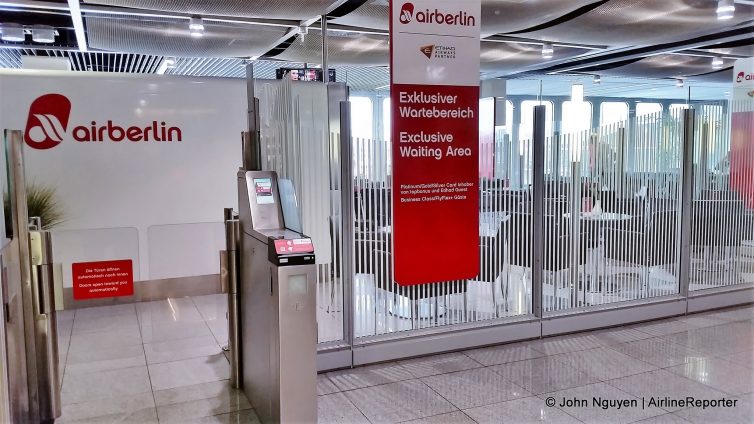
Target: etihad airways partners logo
435,51
47,126
427,50
428,16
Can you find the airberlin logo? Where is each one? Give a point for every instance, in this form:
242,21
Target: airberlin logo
428,16
742,76
47,126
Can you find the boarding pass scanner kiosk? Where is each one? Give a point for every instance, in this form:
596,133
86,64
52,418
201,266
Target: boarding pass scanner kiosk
278,323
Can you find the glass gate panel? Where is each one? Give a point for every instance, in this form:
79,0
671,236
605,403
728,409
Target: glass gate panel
722,238
611,213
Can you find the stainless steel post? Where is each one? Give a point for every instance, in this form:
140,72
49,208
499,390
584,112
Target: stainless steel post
29,297
232,235
538,193
42,278
251,140
325,64
686,202
575,232
346,201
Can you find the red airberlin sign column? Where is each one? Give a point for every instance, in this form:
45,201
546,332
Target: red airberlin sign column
742,131
434,50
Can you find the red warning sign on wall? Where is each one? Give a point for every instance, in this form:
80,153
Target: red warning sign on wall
95,280
434,53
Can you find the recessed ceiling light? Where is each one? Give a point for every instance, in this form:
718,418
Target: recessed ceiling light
597,79
679,82
196,26
726,9
13,32
43,34
717,62
547,51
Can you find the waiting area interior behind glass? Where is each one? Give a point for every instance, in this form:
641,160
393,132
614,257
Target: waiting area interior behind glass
642,284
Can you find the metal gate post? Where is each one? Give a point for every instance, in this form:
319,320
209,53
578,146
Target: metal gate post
347,221
538,193
686,202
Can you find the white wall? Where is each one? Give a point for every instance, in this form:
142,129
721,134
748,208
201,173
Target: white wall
142,184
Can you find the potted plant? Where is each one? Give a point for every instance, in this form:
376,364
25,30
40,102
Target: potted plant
42,202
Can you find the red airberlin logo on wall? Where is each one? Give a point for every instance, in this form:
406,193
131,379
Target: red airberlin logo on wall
743,76
434,17
47,126
48,121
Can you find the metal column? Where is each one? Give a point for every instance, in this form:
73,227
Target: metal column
686,202
346,202
42,278
231,275
325,70
251,140
538,192
29,296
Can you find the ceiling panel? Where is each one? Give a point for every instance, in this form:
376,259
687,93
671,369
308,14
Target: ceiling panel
506,58
10,58
498,16
343,49
271,9
103,61
663,66
171,37
504,16
621,23
560,86
744,47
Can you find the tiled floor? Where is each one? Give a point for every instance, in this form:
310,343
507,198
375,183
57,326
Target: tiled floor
147,363
162,362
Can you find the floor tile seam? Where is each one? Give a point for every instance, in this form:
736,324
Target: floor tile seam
631,394
538,398
67,351
441,397
78,333
463,352
363,414
537,394
237,410
149,374
529,394
373,385
214,340
201,314
695,381
635,359
98,399
219,342
434,415
118,369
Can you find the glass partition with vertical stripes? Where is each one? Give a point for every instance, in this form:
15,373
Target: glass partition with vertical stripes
611,218
611,213
722,211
